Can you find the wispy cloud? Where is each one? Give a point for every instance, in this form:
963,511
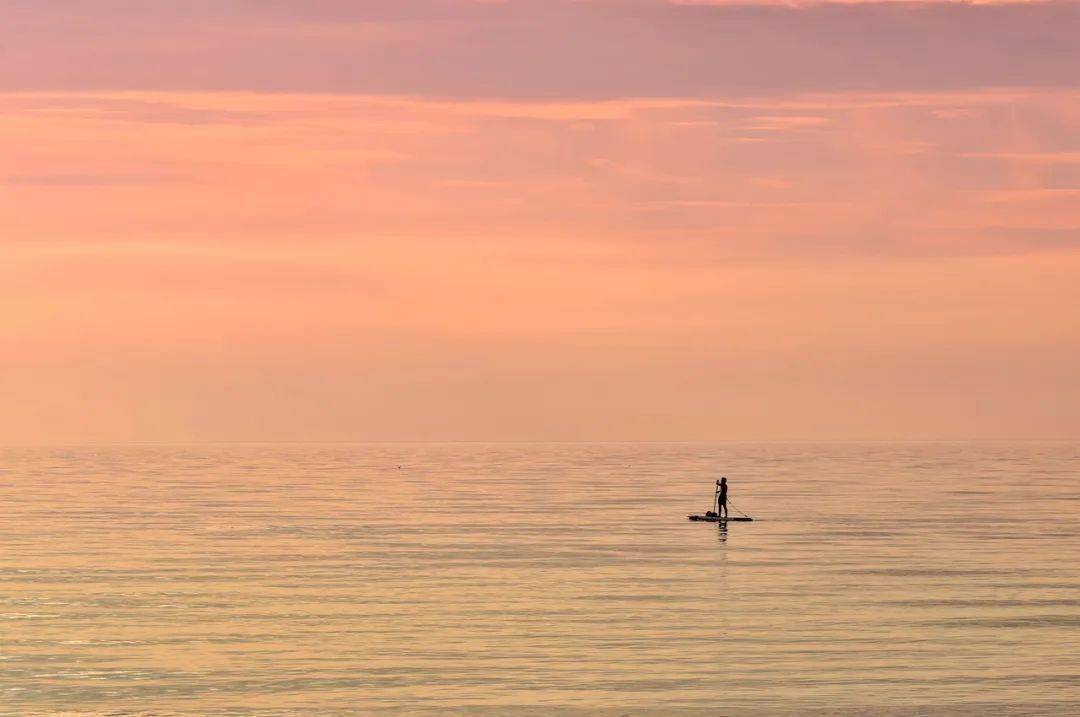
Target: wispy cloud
919,171
1029,157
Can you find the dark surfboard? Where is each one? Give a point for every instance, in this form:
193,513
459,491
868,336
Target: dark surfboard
715,519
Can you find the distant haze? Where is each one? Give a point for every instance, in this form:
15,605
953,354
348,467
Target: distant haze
538,220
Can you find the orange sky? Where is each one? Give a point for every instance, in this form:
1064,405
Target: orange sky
204,241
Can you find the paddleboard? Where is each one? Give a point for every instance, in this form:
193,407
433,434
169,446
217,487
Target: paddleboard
715,519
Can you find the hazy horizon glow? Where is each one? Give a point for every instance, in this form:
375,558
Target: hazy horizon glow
356,221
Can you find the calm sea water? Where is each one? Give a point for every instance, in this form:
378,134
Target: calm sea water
540,579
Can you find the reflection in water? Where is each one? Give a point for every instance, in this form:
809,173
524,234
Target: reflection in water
324,580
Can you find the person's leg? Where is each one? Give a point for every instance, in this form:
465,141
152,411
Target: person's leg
723,509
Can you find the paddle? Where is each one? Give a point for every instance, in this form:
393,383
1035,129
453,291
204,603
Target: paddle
732,505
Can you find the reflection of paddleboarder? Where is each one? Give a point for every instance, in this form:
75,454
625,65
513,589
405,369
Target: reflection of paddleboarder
721,497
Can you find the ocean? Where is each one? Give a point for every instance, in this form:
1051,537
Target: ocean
535,579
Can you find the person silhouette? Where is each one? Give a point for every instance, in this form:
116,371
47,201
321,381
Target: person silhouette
721,498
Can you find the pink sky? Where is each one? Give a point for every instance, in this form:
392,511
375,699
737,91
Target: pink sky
533,220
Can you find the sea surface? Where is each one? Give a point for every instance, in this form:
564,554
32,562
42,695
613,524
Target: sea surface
535,579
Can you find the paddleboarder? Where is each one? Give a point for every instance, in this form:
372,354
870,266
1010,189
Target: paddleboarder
721,497
720,501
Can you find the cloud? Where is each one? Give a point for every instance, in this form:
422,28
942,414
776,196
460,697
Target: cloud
1029,157
537,48
842,174
1013,239
94,179
786,123
1027,195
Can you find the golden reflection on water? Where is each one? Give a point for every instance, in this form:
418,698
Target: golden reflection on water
537,579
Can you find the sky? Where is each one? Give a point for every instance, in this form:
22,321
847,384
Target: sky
538,220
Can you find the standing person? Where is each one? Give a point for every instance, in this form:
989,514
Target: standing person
721,498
